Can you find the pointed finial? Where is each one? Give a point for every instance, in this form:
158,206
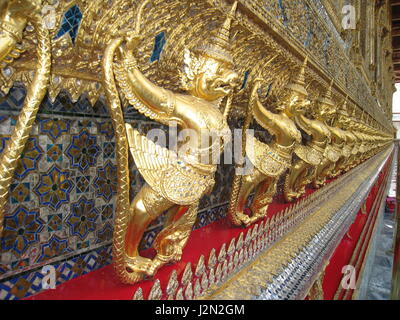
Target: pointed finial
200,267
230,17
189,292
254,232
239,243
298,84
172,283
204,282
155,292
231,248
211,277
138,294
212,259
197,289
329,92
222,253
179,295
343,108
219,45
187,274
301,78
261,228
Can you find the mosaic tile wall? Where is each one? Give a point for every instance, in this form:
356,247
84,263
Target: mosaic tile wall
62,199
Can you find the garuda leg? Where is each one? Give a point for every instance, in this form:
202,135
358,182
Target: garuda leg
296,180
338,168
170,242
145,208
322,171
238,204
265,193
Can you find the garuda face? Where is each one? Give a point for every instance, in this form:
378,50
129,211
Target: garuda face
292,103
208,78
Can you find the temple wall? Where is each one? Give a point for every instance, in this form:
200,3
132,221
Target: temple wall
61,205
72,146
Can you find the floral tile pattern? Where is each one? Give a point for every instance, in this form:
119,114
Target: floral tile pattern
62,199
83,151
29,159
21,230
54,188
83,218
106,181
54,128
53,248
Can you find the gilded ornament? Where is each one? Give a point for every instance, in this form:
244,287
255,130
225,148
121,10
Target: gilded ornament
204,282
310,155
231,248
179,295
138,294
200,267
14,17
173,283
212,259
222,253
155,292
189,292
187,274
174,181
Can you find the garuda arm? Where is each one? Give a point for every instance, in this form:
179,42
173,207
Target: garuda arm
13,19
154,102
304,123
264,117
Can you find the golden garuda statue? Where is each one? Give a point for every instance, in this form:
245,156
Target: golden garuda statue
175,180
309,156
333,150
271,160
358,149
341,121
14,16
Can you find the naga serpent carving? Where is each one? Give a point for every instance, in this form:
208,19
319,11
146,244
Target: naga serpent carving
14,17
175,181
269,160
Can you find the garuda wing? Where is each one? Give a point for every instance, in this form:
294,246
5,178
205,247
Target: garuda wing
165,173
266,159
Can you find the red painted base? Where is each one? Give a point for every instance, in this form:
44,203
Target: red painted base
348,252
102,284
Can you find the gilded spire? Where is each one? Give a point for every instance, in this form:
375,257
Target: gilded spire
343,108
298,84
328,94
219,46
301,77
326,98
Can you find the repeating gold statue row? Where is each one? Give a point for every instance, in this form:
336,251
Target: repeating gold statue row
313,140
